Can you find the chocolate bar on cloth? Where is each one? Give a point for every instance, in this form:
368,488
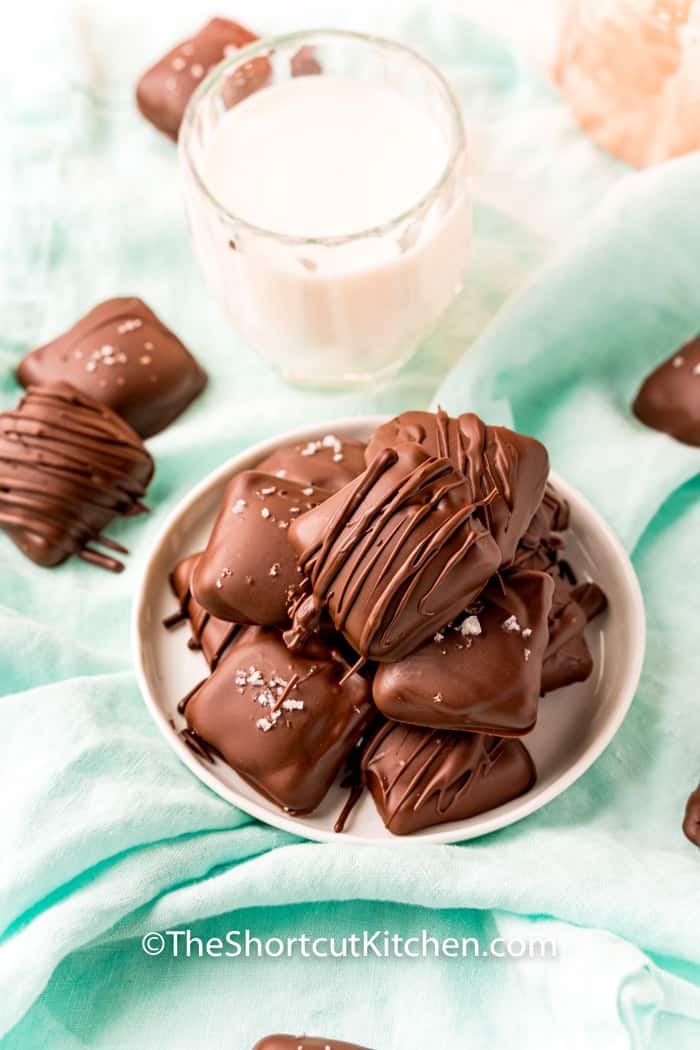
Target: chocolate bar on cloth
68,467
164,90
669,398
123,356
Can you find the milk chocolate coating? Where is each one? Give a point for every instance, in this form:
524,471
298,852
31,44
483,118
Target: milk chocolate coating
163,91
394,555
68,467
493,460
567,657
669,398
691,822
328,462
211,635
304,63
422,777
122,355
248,572
483,672
284,721
303,1042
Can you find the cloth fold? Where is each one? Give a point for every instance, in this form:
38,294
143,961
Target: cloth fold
106,837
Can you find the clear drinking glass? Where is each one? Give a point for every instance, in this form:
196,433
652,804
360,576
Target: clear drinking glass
331,311
630,71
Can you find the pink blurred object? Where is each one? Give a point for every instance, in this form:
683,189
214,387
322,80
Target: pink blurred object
630,71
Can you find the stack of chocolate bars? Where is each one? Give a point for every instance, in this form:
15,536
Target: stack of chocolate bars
388,613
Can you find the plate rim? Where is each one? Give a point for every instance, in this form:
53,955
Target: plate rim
471,828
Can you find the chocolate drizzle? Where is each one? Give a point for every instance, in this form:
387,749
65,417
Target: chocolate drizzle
210,634
495,460
420,777
68,466
390,553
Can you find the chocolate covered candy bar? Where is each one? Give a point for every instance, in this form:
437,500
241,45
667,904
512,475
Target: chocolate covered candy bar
691,821
164,90
508,471
122,355
68,467
422,777
669,398
248,572
481,673
286,722
394,555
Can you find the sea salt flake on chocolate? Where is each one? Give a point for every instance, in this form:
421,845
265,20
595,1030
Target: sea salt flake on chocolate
129,326
265,512
470,626
293,705
274,569
511,624
239,506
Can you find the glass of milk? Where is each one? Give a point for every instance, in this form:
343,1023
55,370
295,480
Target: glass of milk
325,180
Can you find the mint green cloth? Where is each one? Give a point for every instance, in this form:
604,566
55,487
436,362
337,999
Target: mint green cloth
105,836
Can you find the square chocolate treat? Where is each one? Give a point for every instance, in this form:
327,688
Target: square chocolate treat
482,672
422,777
248,572
68,467
394,555
122,355
286,722
163,92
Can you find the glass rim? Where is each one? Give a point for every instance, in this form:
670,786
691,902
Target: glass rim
268,43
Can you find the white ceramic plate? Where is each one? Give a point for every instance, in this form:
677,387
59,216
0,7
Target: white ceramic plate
574,724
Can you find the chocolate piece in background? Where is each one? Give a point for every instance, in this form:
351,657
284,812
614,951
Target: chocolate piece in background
493,460
482,673
303,1042
423,777
122,355
164,90
669,398
211,635
304,63
68,467
567,657
244,80
691,821
248,572
394,555
286,722
328,462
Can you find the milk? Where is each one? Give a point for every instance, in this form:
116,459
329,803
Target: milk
321,157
